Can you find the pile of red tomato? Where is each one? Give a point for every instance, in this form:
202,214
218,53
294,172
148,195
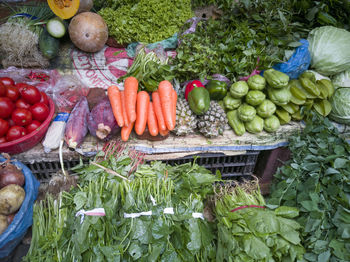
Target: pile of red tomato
22,109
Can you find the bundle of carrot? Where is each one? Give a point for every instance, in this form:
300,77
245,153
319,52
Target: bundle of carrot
133,109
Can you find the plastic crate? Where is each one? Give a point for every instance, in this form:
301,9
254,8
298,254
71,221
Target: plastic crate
230,167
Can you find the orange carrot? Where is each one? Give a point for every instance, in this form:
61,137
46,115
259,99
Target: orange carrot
116,104
158,110
174,97
164,132
152,121
130,92
125,116
126,130
141,112
165,90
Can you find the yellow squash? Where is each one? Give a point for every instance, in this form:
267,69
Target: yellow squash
64,9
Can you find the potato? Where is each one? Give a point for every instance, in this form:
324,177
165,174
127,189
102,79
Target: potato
11,199
3,223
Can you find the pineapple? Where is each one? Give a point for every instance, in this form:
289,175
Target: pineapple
186,120
213,122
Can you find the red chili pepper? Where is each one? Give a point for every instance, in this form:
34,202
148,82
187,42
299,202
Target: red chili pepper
191,85
42,77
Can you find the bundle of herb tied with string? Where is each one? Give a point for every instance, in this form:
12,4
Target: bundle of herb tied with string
19,36
154,214
249,231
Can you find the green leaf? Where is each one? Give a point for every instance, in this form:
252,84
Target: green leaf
195,235
80,199
135,251
160,228
340,249
331,171
287,212
254,247
340,163
309,205
324,257
141,231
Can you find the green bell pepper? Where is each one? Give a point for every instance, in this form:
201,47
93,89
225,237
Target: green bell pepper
199,100
217,89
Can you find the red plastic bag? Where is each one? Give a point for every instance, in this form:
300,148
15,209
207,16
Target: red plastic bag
67,91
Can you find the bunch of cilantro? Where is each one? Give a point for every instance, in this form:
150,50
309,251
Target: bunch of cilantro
317,181
146,21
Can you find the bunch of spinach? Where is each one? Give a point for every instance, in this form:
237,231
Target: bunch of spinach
317,181
115,237
248,231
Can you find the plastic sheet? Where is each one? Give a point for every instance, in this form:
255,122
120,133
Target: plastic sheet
298,62
14,233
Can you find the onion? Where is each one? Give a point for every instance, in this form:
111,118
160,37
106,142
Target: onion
10,174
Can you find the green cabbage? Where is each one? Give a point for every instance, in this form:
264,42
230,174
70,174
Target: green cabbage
329,49
342,79
341,106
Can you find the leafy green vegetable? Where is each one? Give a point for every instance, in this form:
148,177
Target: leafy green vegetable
247,231
146,21
150,68
340,102
328,49
317,181
161,236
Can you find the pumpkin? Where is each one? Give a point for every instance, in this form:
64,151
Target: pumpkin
88,31
66,9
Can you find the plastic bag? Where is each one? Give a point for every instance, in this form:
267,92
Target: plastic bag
298,62
42,79
169,43
67,92
14,233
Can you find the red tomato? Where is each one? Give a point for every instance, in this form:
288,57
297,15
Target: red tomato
20,86
2,90
20,103
6,107
31,94
44,99
7,81
3,140
33,126
21,116
15,132
4,126
40,111
12,93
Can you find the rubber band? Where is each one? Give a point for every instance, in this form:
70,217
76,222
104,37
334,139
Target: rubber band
94,212
242,207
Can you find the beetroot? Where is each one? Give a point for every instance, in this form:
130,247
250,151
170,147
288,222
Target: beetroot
101,121
76,128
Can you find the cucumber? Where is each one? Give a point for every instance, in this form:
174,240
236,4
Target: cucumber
48,45
56,27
